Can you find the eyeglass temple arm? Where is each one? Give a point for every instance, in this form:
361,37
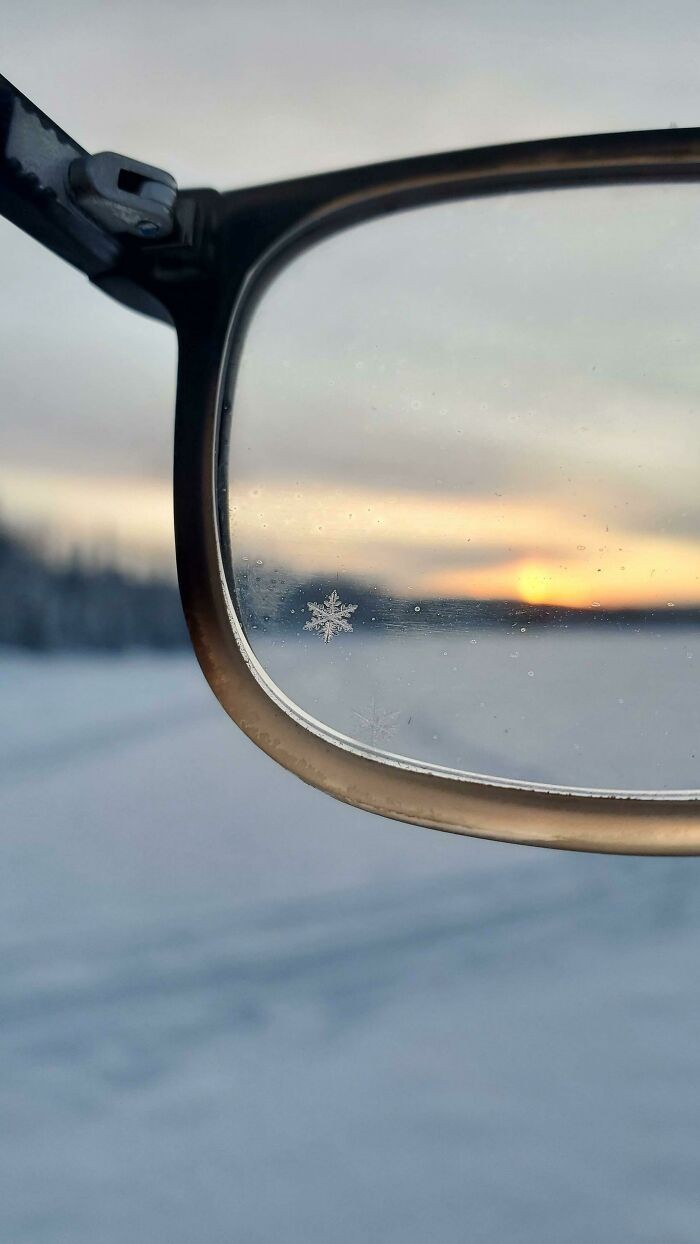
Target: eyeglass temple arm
98,212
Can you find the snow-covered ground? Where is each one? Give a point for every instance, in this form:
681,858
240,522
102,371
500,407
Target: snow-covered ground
594,707
233,1010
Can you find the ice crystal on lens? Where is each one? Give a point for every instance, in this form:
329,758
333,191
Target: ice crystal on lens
377,725
329,618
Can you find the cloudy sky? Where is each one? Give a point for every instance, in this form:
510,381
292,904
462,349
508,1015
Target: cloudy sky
494,398
227,94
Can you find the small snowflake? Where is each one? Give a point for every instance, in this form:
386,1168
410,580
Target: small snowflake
329,618
377,725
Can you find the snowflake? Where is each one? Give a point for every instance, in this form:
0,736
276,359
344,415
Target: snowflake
378,726
330,617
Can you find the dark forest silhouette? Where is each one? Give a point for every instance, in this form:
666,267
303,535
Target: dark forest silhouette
48,605
275,599
52,605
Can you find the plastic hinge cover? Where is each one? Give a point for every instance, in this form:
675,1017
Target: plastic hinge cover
124,195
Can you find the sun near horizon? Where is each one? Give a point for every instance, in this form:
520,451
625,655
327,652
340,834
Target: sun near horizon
541,583
653,574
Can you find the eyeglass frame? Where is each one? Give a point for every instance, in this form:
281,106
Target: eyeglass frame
205,278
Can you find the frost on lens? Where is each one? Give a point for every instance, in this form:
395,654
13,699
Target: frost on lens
329,618
377,725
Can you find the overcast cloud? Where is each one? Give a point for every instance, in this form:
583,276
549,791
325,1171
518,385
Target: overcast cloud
230,93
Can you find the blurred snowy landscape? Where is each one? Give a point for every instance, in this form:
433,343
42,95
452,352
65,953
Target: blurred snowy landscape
232,1009
595,707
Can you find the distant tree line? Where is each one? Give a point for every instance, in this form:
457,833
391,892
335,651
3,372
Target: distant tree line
47,605
273,599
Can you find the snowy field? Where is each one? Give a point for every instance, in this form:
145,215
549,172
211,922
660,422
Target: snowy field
590,707
232,1010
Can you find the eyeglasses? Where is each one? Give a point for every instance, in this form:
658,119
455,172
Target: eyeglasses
436,448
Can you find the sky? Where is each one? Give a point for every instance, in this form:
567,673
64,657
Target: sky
228,94
493,399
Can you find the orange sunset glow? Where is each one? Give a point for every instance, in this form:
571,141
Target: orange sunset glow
654,572
538,583
537,551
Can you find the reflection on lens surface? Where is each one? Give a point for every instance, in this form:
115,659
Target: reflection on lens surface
462,487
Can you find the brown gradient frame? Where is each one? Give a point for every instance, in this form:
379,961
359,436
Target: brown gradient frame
211,336
203,275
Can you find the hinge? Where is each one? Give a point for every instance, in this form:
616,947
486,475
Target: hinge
124,195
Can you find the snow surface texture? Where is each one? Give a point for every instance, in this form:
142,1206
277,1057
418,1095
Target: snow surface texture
595,708
233,1010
